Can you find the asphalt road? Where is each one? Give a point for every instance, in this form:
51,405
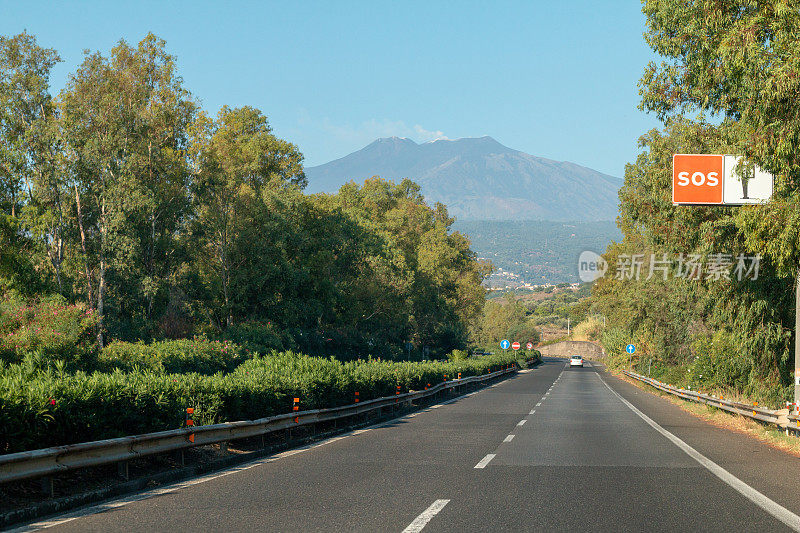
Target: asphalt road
552,449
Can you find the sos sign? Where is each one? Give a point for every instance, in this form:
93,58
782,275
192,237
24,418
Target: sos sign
697,179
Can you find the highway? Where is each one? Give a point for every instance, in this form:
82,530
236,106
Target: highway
551,449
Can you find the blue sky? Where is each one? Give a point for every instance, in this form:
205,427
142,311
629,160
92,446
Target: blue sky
554,79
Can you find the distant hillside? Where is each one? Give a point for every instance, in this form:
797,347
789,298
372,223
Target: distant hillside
536,252
479,179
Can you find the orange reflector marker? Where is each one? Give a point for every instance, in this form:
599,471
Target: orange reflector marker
459,375
357,398
190,421
296,404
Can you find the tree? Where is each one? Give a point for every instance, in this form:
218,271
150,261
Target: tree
25,101
739,59
29,151
124,120
236,159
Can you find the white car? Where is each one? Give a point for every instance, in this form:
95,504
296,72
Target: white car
575,360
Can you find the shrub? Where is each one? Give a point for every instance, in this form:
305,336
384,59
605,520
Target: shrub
44,406
50,327
458,355
257,337
198,355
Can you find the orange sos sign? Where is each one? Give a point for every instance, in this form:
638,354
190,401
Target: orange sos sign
697,179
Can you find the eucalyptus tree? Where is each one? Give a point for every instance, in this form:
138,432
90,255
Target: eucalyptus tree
25,102
124,119
236,161
30,179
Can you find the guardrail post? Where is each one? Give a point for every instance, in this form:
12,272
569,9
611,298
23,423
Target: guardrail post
48,487
223,447
122,470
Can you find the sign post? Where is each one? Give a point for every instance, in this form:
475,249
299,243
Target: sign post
797,341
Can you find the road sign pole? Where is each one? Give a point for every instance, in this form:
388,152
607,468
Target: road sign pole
797,339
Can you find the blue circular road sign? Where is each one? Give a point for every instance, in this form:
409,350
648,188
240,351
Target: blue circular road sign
504,344
630,348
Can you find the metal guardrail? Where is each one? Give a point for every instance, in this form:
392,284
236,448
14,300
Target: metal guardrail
782,418
48,461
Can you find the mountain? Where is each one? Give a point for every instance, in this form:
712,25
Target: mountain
479,179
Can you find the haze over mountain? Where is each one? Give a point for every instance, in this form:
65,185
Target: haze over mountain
479,179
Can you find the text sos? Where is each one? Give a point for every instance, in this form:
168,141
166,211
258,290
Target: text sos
698,179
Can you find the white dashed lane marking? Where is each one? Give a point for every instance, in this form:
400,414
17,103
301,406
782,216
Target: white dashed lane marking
422,520
485,461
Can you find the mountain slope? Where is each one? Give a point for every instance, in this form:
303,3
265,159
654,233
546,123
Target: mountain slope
479,179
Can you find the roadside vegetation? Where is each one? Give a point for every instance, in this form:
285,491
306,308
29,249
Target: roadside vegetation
42,404
155,220
154,257
728,335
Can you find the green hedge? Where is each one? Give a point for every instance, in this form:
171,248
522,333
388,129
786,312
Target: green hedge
175,356
48,407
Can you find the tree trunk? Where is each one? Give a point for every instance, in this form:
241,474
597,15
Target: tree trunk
88,275
101,287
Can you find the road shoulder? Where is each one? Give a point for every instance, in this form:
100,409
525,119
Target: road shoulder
773,472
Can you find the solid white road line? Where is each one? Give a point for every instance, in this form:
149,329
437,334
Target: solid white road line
521,422
508,438
422,520
775,509
485,461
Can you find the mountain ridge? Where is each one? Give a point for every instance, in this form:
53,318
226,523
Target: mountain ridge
479,179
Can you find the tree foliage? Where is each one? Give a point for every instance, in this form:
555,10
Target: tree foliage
738,62
123,195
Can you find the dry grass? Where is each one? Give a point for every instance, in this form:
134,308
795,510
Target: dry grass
588,330
768,435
